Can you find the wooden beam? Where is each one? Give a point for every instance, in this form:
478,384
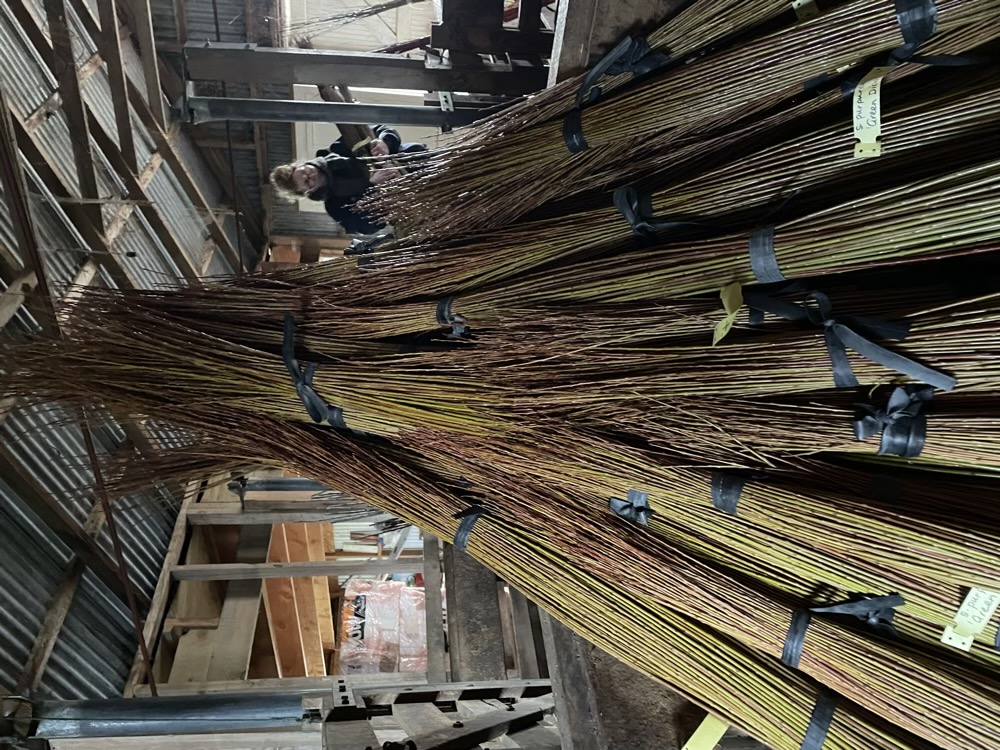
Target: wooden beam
55,616
436,668
13,296
142,25
234,638
124,213
240,63
64,68
246,572
296,537
283,614
111,50
137,192
527,655
475,635
180,171
321,589
161,594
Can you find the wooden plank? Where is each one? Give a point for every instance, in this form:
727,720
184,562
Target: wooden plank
142,25
263,662
158,604
296,537
235,635
233,514
197,599
286,740
433,606
124,213
510,651
247,572
527,656
64,68
190,623
13,296
111,50
475,635
574,691
55,616
321,589
282,613
191,661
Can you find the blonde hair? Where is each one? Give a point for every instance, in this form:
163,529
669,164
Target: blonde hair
282,182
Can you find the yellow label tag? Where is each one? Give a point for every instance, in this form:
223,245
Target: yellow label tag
805,10
732,301
707,736
868,114
971,619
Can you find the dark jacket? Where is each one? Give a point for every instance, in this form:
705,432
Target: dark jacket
343,170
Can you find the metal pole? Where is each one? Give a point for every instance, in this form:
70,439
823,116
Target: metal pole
287,484
138,717
203,109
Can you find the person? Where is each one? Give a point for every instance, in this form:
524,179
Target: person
338,178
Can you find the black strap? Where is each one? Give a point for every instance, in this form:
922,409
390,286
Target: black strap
876,613
469,517
841,334
763,261
634,508
902,423
445,317
315,405
726,490
821,719
365,247
631,55
637,208
917,21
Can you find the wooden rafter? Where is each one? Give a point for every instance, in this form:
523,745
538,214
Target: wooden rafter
110,47
142,25
64,68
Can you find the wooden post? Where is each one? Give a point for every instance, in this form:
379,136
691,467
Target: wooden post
436,670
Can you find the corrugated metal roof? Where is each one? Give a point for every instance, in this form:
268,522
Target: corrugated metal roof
95,648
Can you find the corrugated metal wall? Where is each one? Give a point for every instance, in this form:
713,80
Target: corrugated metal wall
96,645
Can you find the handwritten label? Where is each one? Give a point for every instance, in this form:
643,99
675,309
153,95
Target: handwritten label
868,114
732,301
971,619
707,735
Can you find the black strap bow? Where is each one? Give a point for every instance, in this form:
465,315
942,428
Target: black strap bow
637,208
302,379
841,334
902,423
634,508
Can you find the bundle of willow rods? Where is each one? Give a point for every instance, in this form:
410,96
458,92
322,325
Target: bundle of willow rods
963,429
601,362
640,630
677,105
932,135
